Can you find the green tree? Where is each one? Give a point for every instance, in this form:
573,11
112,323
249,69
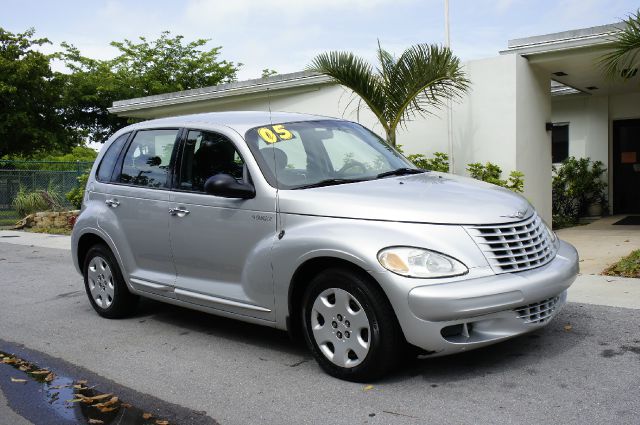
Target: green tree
31,118
421,78
142,68
267,72
624,60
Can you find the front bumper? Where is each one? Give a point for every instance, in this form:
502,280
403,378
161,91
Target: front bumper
456,316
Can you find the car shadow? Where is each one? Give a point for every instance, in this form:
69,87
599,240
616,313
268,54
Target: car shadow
522,352
193,321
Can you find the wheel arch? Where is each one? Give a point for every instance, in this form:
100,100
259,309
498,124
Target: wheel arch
305,272
91,238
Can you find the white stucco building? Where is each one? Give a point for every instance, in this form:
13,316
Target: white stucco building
539,87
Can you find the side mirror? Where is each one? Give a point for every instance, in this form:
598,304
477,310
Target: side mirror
228,187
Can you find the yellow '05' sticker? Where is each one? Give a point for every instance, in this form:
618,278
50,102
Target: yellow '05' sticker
275,133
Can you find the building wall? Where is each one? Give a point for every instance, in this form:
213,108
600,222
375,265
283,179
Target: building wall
533,141
588,119
624,106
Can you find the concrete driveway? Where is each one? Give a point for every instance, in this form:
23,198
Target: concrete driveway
601,243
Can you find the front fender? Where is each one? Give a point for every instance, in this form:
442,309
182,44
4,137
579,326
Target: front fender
358,242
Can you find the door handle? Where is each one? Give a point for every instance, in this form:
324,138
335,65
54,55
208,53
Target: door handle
180,212
113,203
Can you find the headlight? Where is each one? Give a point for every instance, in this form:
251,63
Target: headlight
418,262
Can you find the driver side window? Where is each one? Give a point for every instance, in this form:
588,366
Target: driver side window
205,155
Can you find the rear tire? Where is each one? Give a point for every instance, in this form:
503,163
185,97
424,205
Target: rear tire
350,326
105,286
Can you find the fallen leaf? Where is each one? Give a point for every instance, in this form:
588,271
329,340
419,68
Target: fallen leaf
108,403
21,381
146,415
50,377
106,409
9,360
568,327
75,400
40,372
159,422
94,398
367,388
24,368
126,405
95,421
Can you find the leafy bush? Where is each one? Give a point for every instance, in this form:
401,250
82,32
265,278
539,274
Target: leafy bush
76,195
440,162
576,185
492,173
489,172
77,153
26,203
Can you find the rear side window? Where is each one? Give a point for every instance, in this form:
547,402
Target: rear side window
148,159
105,169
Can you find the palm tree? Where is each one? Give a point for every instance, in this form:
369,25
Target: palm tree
424,76
625,58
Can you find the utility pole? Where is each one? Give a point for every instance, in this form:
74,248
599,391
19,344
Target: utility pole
447,43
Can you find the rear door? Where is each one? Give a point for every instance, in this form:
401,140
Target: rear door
137,213
221,246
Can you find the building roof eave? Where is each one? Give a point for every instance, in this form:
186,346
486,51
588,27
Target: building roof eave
566,40
247,87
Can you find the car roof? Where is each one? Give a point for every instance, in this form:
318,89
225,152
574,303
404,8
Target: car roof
241,121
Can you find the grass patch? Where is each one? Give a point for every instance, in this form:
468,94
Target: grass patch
8,218
628,266
49,230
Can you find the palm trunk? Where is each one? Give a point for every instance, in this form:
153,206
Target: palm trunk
391,137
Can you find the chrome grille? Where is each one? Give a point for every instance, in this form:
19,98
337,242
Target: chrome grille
538,312
514,247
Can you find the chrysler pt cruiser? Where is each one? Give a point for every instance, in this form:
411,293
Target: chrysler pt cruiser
316,226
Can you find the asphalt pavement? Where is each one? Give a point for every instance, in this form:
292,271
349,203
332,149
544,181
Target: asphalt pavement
582,368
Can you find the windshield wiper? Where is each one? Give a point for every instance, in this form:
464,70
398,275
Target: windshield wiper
401,172
330,182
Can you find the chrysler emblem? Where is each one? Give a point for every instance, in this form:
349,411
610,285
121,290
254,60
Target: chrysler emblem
517,214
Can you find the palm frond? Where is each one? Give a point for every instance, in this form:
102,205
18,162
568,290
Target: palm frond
426,76
626,54
386,64
355,73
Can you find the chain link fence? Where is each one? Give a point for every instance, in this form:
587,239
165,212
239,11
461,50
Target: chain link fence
30,176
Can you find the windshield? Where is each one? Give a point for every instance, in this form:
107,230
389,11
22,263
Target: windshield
310,153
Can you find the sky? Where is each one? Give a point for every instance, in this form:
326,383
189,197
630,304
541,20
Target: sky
285,35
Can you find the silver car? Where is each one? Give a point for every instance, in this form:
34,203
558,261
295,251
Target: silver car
316,226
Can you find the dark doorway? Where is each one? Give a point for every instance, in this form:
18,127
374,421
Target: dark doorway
626,166
559,143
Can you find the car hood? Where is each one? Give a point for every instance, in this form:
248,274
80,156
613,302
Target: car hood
419,198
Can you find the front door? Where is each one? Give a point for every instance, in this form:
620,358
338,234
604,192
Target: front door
221,246
626,166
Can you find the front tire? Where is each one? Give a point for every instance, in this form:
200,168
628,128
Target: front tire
350,326
105,286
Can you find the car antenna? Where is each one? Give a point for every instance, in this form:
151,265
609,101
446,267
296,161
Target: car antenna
275,168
